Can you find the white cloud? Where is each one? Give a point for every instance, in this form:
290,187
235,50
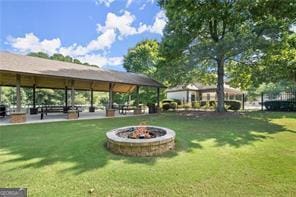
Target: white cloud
113,61
100,60
157,26
293,28
143,27
159,23
121,24
115,27
31,43
128,3
107,3
142,6
104,41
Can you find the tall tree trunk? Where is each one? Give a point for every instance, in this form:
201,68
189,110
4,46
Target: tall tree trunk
220,85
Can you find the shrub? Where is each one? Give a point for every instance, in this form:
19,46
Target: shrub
169,104
167,100
166,106
187,106
280,105
212,105
196,105
173,105
233,105
207,105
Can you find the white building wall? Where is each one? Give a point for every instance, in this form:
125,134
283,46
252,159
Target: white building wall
180,95
211,94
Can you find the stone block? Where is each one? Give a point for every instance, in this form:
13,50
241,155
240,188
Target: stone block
18,117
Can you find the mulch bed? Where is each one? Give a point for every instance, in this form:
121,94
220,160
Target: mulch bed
197,114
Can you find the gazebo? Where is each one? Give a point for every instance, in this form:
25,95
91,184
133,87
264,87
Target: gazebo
33,72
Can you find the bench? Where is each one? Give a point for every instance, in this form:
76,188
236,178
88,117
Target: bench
55,109
124,108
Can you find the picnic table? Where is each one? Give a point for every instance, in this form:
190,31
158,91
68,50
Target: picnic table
124,108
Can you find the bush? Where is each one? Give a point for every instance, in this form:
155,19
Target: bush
280,105
166,106
167,100
173,105
187,106
233,105
196,104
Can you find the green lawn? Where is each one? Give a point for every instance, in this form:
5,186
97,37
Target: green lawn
250,155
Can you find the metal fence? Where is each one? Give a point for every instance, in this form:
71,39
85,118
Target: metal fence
279,101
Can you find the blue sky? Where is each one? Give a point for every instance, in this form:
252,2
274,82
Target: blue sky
95,31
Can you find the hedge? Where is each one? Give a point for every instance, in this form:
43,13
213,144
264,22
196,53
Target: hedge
233,105
280,105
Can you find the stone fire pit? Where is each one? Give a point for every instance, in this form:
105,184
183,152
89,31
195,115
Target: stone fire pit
141,140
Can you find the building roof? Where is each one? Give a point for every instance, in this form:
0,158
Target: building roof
39,67
202,87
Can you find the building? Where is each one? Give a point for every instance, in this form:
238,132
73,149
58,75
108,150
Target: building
200,92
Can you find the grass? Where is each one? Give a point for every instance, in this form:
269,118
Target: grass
237,156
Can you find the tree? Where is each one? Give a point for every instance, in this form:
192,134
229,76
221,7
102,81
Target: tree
220,31
277,64
39,54
144,58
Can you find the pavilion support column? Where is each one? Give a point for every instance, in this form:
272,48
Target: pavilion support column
109,111
66,100
34,110
0,94
243,101
158,100
18,116
72,95
73,113
18,93
91,108
138,109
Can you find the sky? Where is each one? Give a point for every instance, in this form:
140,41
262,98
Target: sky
99,32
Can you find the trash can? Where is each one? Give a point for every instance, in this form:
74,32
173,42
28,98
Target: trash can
152,108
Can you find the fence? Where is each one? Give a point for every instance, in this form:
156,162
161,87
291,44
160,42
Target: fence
279,101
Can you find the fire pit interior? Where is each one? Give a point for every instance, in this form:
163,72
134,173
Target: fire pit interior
142,140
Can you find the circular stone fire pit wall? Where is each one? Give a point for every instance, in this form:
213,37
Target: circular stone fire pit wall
119,144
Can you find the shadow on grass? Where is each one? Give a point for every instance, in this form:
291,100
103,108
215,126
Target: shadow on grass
82,143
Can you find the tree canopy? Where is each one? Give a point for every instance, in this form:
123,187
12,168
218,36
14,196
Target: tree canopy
144,58
213,34
59,57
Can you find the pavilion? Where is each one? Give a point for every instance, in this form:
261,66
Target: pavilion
33,72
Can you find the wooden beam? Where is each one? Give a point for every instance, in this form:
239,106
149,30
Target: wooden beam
0,94
158,97
34,96
91,98
18,93
66,97
72,95
110,96
138,97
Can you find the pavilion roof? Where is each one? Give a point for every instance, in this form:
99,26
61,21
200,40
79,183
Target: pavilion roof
34,70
